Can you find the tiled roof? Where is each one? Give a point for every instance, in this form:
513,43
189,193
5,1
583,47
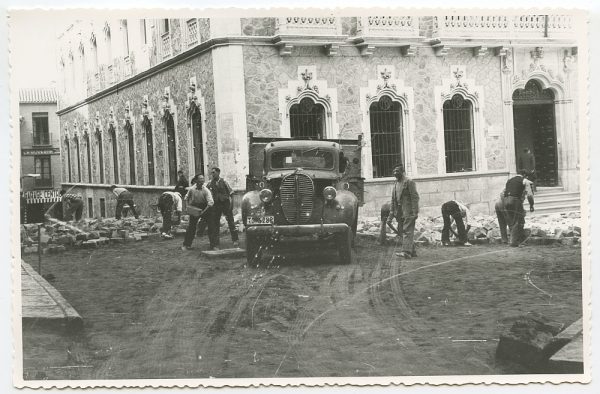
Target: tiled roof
37,95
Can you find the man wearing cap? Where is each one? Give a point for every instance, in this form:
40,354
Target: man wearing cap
404,207
222,194
124,197
516,188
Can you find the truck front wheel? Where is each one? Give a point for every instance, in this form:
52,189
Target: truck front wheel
344,246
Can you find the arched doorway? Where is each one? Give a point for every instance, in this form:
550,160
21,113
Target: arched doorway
535,132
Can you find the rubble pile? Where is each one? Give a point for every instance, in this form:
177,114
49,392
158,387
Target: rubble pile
564,228
55,236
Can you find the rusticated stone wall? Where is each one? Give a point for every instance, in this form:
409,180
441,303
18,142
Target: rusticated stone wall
258,26
266,72
177,79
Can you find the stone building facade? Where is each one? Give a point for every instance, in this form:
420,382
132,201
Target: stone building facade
456,99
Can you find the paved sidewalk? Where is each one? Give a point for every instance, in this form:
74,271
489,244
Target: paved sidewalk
42,304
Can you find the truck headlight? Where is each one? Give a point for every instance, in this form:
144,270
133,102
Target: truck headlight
266,195
329,193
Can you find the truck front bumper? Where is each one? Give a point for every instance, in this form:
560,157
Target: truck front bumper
300,229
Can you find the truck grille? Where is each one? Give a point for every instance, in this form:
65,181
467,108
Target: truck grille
297,191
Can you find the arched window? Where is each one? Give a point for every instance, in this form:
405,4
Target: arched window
459,141
89,157
149,149
78,153
171,149
307,120
131,149
198,148
386,136
113,143
68,151
100,155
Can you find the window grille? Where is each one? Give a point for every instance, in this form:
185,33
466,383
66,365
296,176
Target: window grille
192,31
458,135
386,136
90,207
198,142
307,120
131,148
171,150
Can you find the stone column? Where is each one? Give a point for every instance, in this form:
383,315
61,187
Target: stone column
506,68
230,104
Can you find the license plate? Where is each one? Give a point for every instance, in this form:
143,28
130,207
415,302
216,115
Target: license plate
261,220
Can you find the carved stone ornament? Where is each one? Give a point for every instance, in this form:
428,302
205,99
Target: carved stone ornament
192,104
111,117
306,77
127,114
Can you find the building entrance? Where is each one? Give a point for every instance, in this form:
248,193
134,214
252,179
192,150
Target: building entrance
535,133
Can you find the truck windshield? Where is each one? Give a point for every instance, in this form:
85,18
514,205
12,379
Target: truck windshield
315,158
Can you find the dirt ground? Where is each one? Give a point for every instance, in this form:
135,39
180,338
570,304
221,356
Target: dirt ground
151,310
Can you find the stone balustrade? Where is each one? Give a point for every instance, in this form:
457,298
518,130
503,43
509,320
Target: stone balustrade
300,25
166,46
192,32
506,26
388,26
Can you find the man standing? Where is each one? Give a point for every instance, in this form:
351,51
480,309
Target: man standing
404,207
182,184
124,197
167,203
222,194
72,204
516,188
199,203
457,211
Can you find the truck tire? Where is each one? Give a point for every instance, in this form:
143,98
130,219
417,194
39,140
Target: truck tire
252,247
344,247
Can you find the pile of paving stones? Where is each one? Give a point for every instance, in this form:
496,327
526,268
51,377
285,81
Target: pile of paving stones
56,236
561,228
91,233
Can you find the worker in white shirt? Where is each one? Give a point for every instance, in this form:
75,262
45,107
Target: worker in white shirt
124,197
169,203
459,212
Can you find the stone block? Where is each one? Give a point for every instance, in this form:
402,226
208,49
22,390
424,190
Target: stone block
30,249
232,252
454,184
123,233
477,184
437,199
424,186
66,239
81,237
468,196
117,240
95,235
530,341
90,244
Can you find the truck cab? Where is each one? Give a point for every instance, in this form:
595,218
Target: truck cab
302,188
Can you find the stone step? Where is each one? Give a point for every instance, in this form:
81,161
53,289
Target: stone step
231,252
569,359
557,196
554,208
549,189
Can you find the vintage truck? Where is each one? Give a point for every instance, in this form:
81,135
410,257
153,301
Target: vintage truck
302,188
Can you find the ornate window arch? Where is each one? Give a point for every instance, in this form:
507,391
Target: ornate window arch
128,124
67,147
461,89
169,137
100,148
196,121
387,89
308,87
88,150
114,146
77,149
149,151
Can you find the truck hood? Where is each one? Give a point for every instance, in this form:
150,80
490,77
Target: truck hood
314,174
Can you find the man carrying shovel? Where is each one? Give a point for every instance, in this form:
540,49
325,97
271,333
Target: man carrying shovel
404,206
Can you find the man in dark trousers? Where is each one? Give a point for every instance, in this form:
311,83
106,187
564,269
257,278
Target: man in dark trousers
199,202
516,188
124,197
404,207
457,211
223,196
72,204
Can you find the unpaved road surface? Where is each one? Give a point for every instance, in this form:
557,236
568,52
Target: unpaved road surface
151,310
